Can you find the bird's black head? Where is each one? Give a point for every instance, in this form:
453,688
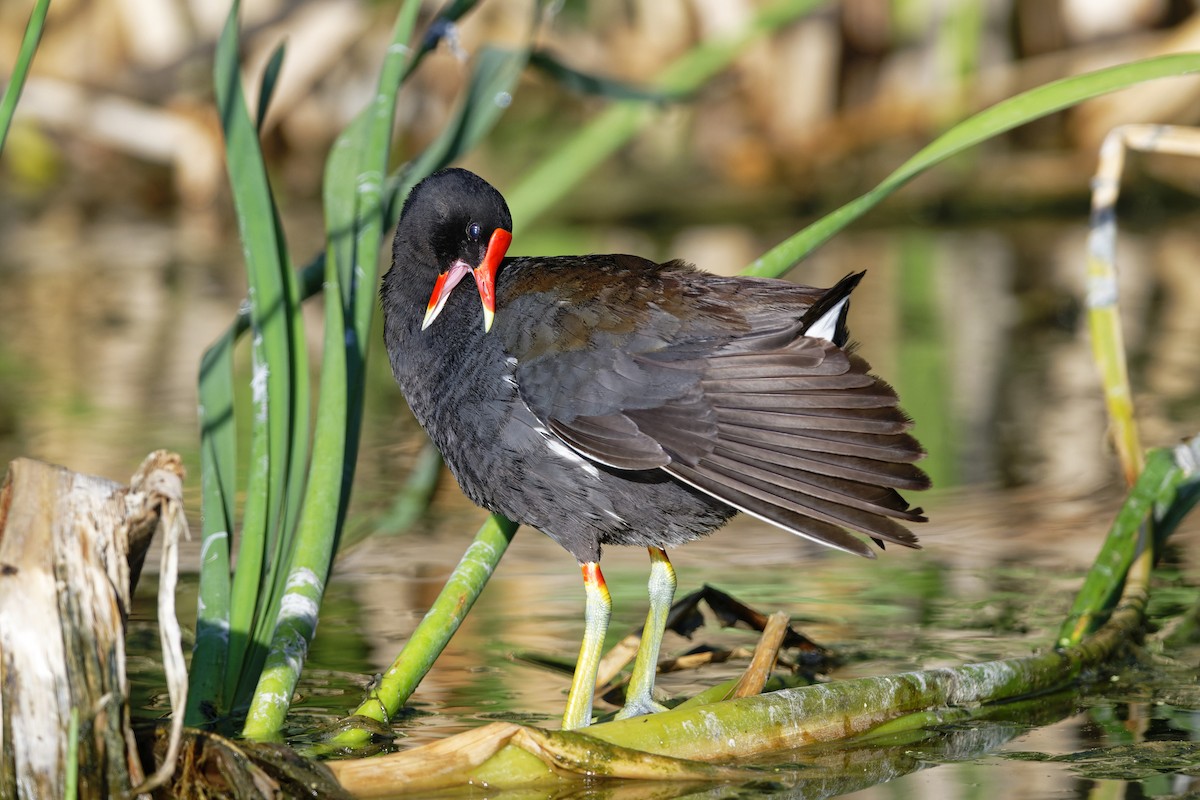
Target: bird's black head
457,222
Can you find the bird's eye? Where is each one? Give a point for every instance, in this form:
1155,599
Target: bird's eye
474,231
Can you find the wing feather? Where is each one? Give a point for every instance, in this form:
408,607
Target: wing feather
613,440
875,525
901,475
882,421
790,428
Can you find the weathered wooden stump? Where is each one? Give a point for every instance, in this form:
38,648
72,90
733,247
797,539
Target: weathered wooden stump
71,549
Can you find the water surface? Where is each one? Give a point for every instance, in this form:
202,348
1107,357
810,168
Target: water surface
980,328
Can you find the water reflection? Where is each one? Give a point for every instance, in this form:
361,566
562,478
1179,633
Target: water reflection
102,325
906,611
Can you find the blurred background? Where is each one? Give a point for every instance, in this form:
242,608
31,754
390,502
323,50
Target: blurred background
120,264
120,261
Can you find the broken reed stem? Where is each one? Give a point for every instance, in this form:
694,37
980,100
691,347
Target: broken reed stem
1103,292
764,658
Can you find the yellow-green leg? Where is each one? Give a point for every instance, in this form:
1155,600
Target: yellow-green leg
597,611
639,694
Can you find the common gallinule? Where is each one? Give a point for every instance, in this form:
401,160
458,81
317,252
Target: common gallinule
607,399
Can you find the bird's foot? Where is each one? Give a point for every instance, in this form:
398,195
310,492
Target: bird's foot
638,706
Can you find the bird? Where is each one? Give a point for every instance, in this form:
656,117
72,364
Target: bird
607,399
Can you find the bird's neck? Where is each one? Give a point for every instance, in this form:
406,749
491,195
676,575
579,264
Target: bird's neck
406,288
426,361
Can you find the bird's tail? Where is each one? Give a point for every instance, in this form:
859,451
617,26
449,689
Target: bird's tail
826,318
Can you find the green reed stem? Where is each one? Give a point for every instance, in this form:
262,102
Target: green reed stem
308,568
268,269
16,82
1126,540
218,470
435,630
354,213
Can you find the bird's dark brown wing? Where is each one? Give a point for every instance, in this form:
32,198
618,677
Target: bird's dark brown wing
808,439
792,429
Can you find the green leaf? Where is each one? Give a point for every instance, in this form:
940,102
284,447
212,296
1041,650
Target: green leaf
585,83
218,473
29,45
272,319
1003,116
269,80
355,205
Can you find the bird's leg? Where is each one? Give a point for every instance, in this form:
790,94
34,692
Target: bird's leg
638,695
597,610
